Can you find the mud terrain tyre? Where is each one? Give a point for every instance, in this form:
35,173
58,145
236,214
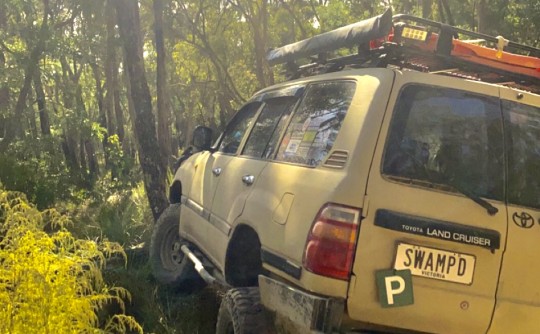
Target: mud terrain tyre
169,265
241,312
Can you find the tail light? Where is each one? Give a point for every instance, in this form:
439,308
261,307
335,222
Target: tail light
332,241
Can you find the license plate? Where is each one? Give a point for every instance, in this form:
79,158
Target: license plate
435,263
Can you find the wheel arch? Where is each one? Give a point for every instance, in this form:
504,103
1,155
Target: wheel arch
243,262
175,192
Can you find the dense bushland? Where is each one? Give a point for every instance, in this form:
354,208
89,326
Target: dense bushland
50,281
75,124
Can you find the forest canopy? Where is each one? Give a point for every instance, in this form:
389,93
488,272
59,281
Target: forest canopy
98,98
112,89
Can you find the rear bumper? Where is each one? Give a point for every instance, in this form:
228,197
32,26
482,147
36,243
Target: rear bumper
299,311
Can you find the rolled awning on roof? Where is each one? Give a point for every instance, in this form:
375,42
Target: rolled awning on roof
348,36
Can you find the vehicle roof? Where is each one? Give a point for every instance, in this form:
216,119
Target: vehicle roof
377,72
415,44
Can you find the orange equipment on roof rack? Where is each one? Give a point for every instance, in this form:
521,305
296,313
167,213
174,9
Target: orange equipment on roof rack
414,43
469,51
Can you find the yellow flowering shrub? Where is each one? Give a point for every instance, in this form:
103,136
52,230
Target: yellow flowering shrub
51,282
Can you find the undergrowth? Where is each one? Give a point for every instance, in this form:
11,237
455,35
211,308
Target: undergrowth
50,281
119,215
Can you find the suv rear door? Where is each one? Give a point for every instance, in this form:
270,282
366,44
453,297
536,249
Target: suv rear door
518,302
439,148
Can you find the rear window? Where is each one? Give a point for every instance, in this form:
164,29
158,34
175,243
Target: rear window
316,123
523,142
447,138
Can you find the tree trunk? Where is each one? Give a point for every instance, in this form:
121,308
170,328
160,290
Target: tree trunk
110,68
119,113
31,117
482,17
448,12
163,106
260,35
441,12
426,8
69,146
4,97
93,166
15,129
149,151
71,94
40,96
296,22
4,88
100,102
407,6
99,88
131,112
3,16
82,158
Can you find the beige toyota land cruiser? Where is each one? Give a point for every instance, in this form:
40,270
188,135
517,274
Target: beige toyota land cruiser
394,189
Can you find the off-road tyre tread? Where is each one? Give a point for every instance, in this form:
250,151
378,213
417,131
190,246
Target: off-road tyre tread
185,275
242,307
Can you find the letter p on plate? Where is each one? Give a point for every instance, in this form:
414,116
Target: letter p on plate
395,287
390,290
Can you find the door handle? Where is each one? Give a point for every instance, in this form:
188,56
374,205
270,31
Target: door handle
217,171
248,179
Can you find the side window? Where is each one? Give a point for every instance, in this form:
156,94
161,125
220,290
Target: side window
237,127
449,138
259,144
316,123
523,129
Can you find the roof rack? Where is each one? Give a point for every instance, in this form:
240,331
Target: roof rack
413,43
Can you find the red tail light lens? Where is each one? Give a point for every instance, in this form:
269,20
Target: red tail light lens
331,242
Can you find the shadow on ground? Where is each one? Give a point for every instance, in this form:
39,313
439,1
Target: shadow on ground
159,309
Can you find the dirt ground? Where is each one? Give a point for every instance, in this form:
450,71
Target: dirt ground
161,309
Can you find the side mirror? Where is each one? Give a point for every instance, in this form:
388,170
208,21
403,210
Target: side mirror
202,138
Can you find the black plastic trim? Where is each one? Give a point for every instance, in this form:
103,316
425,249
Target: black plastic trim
281,263
474,236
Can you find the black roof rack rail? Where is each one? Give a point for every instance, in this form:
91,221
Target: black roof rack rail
399,17
390,41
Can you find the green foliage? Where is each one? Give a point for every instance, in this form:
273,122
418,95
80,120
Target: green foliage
125,216
119,215
122,167
36,169
52,282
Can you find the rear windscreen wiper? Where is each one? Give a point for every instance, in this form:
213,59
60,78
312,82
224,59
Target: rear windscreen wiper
444,182
491,210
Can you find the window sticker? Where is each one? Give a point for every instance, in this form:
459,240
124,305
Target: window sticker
315,125
293,145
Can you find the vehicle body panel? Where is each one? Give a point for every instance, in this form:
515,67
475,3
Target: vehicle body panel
439,306
518,290
499,296
313,187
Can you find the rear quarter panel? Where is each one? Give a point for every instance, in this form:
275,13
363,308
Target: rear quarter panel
285,235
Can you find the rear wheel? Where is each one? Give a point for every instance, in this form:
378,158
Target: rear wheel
169,264
241,312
